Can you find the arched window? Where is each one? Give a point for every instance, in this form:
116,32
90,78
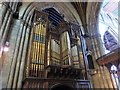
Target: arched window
108,26
114,76
90,62
109,41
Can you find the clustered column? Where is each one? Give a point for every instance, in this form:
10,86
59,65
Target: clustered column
8,10
18,62
102,75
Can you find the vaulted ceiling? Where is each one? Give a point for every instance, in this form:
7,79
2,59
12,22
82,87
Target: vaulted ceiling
84,13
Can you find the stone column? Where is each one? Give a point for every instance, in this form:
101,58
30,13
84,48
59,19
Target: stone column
7,62
6,30
4,24
20,51
10,3
4,7
13,65
97,52
83,46
22,64
18,59
0,81
108,77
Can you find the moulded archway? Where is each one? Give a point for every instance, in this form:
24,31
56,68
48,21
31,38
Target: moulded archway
65,8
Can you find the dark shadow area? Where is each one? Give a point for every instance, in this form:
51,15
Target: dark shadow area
61,87
90,62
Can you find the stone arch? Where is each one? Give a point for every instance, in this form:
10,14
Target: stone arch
71,13
24,8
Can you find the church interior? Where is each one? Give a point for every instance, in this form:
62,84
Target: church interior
65,45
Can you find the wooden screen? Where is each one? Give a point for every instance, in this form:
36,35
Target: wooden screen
76,48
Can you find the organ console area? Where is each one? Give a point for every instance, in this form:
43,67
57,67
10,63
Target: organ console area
55,52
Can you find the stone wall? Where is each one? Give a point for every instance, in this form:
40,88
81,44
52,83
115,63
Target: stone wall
8,56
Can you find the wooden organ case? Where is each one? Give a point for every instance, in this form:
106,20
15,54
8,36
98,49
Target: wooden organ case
55,56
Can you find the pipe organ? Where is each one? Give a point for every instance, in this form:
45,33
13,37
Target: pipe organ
55,54
65,49
37,48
